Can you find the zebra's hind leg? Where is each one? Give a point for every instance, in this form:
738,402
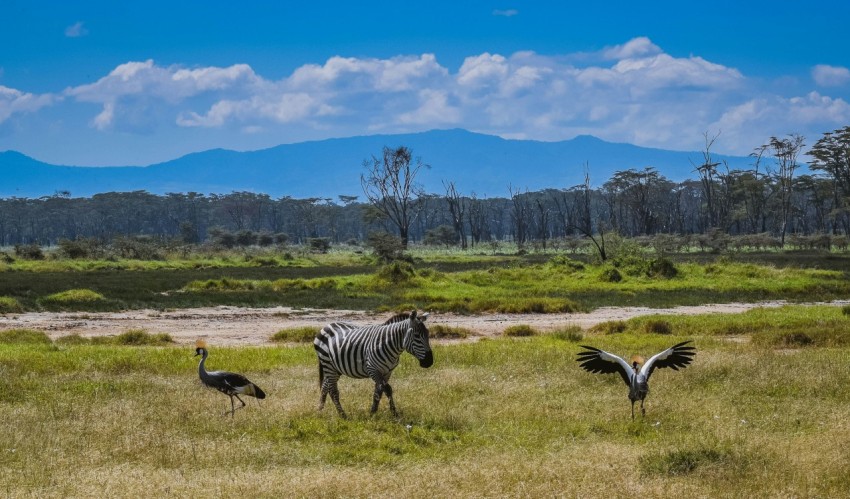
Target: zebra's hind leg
334,391
389,391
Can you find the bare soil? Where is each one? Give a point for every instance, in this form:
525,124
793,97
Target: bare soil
254,326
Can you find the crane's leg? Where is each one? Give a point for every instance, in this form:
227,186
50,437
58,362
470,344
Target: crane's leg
633,410
642,410
232,408
239,399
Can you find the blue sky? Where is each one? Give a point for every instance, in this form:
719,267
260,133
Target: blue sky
134,83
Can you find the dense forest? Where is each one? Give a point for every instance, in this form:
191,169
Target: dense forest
770,198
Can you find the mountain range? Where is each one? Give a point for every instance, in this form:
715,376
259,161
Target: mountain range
484,164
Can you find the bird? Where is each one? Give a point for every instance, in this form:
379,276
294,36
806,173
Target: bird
230,384
595,360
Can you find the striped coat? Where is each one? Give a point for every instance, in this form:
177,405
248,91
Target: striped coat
369,352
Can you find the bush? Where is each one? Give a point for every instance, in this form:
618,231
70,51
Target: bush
440,331
385,246
396,272
9,305
610,327
845,310
24,336
29,251
610,274
662,267
142,337
571,333
303,334
319,244
73,296
657,326
520,330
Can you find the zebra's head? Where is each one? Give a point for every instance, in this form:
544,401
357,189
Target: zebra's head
416,340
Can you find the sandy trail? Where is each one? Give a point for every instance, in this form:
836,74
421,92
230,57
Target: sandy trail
254,326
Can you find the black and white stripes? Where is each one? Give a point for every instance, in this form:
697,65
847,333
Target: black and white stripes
369,352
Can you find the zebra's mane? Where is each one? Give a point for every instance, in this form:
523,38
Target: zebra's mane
397,318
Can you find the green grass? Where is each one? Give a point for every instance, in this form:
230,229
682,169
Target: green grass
450,282
491,418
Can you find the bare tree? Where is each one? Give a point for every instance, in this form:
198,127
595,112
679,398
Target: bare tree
457,210
389,185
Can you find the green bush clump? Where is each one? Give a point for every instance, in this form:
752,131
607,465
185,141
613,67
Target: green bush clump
520,330
571,333
24,336
142,337
441,331
610,327
73,296
657,326
610,274
9,305
303,334
845,310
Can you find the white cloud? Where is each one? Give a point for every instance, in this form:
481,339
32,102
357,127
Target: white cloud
633,92
830,76
636,47
16,102
76,30
505,12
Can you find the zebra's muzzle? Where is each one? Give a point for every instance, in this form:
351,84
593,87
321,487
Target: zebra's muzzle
427,361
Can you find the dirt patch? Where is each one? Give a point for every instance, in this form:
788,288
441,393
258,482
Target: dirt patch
254,326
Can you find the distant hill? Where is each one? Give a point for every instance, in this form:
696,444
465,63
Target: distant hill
481,163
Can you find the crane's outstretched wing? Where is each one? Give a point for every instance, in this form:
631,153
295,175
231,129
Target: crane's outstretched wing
679,355
595,360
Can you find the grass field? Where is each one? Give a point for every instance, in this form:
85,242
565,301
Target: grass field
507,417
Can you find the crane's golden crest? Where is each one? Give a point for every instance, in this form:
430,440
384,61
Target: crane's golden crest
201,343
637,358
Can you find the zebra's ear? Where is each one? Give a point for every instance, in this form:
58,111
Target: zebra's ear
413,315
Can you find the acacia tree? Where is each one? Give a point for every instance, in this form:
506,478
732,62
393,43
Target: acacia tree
389,185
785,152
831,154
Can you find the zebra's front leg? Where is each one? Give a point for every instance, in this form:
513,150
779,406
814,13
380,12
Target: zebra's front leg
389,391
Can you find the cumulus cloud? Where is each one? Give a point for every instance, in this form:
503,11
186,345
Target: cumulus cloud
636,47
16,102
634,92
830,76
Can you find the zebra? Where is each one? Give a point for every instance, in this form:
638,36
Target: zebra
369,352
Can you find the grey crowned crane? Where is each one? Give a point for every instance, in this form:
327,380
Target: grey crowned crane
637,378
230,384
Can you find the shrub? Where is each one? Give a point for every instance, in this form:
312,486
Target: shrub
396,272
520,330
440,331
73,296
610,274
9,305
610,327
319,244
29,251
302,334
657,326
845,310
662,267
142,337
24,336
385,246
571,333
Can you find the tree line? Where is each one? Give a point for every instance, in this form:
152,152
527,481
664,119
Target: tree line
770,197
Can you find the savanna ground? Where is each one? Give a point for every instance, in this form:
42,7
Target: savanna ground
762,412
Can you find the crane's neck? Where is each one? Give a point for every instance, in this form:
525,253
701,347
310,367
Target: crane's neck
202,371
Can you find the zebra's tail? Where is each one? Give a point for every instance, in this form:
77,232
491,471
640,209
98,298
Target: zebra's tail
321,375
